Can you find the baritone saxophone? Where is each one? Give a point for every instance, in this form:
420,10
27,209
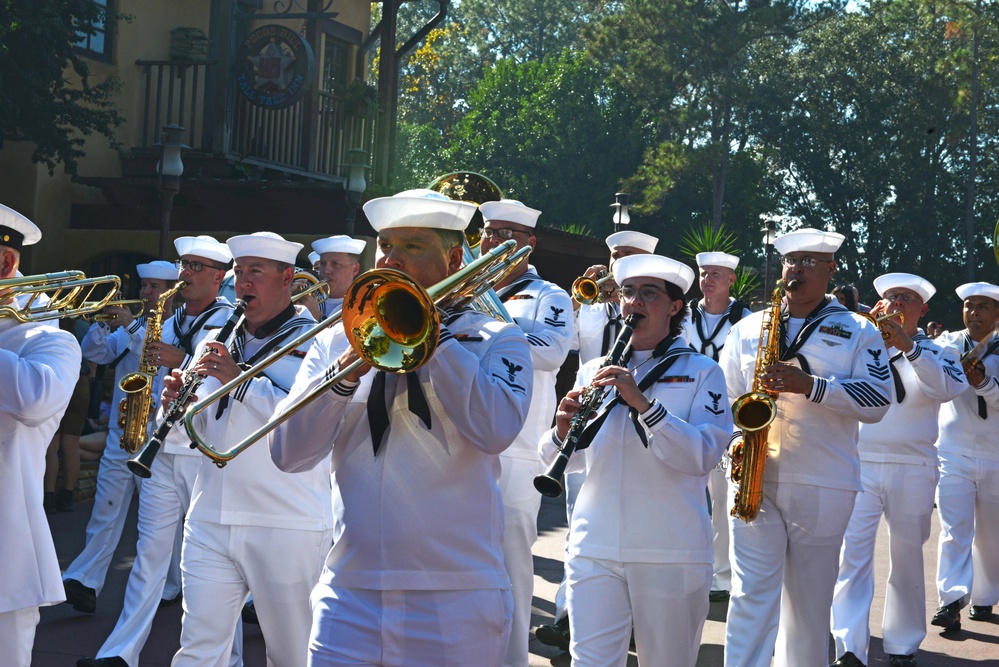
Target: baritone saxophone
753,413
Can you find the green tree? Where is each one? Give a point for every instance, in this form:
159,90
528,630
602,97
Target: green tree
46,96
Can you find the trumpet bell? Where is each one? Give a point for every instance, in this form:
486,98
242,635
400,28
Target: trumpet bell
392,321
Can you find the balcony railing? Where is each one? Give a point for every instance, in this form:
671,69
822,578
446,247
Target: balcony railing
310,138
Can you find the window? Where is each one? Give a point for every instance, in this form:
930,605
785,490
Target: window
98,44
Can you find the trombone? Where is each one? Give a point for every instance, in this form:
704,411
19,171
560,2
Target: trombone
586,290
47,296
391,321
304,284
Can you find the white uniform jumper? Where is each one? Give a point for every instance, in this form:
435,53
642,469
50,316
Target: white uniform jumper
968,492
39,365
785,562
543,311
415,576
252,528
706,333
640,538
163,501
898,470
115,483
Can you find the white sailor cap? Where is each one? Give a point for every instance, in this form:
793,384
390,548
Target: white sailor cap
968,290
924,288
158,270
267,245
510,210
419,208
632,239
717,259
809,240
313,258
16,231
340,243
654,266
203,246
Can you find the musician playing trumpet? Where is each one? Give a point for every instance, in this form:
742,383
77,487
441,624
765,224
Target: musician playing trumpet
415,575
640,538
898,470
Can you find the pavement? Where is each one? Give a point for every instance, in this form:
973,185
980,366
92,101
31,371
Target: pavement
64,635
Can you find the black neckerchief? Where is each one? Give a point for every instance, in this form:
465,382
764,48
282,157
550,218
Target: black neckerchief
185,340
505,293
273,324
828,306
708,341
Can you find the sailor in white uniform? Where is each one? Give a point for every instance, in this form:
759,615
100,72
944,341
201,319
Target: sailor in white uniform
338,264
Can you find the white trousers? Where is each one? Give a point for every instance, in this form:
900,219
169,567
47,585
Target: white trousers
903,493
721,505
968,500
17,635
163,502
784,568
573,481
223,564
521,502
115,486
353,627
666,602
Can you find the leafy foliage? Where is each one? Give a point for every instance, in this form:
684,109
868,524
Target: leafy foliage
46,95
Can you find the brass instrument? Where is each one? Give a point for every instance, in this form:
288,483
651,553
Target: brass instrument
134,306
550,483
586,290
390,320
877,321
753,413
48,296
142,463
308,283
134,408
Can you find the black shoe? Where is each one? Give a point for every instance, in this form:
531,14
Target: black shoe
848,659
249,613
556,635
48,502
82,598
948,617
169,602
113,661
64,500
980,612
718,596
897,660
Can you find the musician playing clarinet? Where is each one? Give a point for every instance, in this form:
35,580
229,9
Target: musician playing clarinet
640,538
415,575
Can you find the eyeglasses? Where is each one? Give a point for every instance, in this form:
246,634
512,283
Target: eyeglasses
904,297
505,234
197,266
805,262
645,293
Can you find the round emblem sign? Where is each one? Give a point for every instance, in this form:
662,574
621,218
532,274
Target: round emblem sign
274,66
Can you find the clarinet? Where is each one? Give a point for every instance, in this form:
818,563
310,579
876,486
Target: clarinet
142,463
550,483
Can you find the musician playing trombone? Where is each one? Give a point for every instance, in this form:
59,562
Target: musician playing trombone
39,364
166,495
968,491
544,312
116,342
250,527
898,470
415,575
640,539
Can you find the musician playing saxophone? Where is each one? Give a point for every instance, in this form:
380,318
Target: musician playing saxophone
117,343
415,575
833,374
640,539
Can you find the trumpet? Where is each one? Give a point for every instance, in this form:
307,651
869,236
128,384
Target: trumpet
881,319
390,320
305,283
134,306
586,290
49,296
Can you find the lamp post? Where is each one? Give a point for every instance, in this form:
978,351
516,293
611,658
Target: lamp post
356,164
621,216
769,233
169,168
